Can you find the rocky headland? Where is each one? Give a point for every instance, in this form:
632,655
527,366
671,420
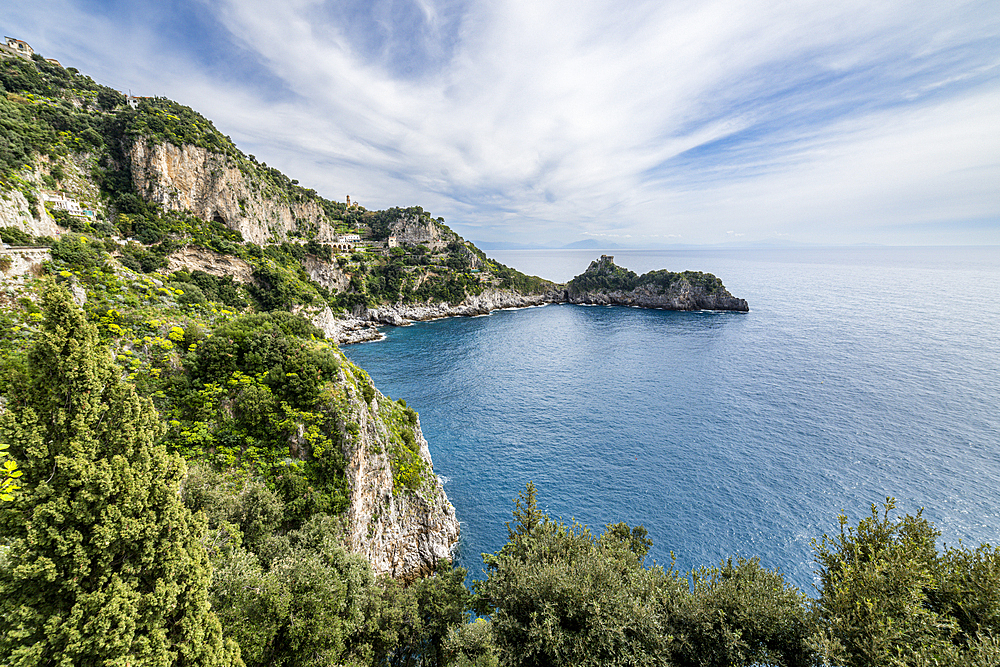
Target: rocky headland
603,283
403,533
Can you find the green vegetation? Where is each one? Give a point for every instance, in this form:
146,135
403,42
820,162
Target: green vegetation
558,595
888,597
258,404
104,562
59,126
8,475
298,597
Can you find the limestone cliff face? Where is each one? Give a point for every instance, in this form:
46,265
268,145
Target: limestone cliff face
417,230
402,532
16,211
344,330
326,274
22,261
192,258
213,187
75,184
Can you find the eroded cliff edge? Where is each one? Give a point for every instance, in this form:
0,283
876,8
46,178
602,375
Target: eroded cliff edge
399,517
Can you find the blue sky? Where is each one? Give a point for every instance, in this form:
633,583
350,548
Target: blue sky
638,123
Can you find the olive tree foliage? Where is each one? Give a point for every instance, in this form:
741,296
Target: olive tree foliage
888,597
558,595
105,565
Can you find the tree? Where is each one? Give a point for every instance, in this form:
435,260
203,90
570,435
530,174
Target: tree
557,595
105,565
874,583
887,597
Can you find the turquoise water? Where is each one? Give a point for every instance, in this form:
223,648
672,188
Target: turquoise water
857,374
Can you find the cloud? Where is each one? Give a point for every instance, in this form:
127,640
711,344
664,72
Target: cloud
552,120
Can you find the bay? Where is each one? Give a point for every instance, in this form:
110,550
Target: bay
858,374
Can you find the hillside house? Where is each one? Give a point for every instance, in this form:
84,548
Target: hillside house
61,202
16,47
22,49
133,101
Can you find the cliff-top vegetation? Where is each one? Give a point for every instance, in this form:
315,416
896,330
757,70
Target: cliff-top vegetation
63,133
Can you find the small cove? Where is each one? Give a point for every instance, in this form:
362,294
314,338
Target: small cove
859,373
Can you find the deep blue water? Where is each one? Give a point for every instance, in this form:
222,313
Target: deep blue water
858,374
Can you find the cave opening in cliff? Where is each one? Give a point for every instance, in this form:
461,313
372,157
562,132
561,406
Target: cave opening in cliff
218,218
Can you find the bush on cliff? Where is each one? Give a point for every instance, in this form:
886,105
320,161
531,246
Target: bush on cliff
887,597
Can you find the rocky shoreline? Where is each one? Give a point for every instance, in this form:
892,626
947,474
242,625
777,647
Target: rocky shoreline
350,329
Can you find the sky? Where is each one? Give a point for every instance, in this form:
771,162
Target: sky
638,123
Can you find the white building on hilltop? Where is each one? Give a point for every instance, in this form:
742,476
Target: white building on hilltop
20,48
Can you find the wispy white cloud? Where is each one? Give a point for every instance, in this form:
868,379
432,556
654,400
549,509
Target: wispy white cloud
846,121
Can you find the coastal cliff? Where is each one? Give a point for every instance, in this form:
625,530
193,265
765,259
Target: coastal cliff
215,186
478,304
402,523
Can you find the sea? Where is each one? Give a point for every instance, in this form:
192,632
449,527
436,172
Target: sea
859,374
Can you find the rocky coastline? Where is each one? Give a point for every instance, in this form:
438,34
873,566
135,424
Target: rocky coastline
363,328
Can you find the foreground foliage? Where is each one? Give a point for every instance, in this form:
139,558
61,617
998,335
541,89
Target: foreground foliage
105,564
558,595
888,597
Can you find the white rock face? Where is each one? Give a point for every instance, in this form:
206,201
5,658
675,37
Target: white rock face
326,274
213,187
480,304
415,230
345,330
191,258
76,183
402,534
23,260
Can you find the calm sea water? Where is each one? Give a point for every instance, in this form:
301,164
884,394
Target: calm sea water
858,374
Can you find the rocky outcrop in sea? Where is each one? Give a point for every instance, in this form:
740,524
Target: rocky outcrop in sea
605,283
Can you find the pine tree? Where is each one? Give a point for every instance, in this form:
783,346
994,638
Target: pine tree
105,564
